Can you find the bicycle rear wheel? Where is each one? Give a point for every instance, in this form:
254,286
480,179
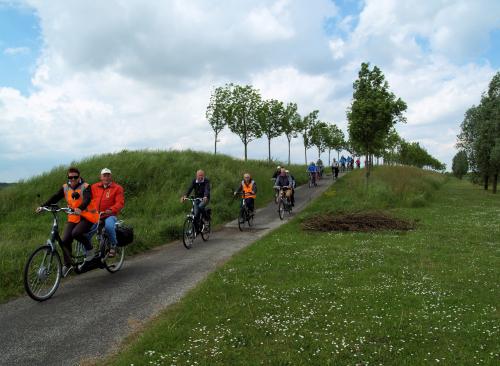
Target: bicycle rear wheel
188,233
114,264
205,231
42,273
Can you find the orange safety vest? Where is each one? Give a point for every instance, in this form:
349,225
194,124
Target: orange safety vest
248,189
90,213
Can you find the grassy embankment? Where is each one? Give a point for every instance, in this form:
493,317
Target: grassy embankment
427,296
153,183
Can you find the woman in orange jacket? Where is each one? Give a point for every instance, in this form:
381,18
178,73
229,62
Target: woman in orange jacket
78,197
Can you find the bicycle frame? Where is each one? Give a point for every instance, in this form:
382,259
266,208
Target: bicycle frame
55,237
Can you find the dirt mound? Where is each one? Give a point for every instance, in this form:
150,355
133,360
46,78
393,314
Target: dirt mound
356,221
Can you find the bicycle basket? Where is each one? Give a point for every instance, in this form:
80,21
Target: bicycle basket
124,235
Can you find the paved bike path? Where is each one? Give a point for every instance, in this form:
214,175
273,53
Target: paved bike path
91,314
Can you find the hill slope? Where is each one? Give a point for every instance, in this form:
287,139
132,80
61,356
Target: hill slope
153,182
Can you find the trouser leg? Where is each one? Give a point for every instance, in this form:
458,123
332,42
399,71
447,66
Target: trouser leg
109,226
80,233
67,240
250,203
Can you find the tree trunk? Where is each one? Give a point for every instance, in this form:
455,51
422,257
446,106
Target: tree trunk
495,181
319,154
329,160
269,148
305,154
486,182
338,155
215,150
289,152
367,167
246,143
377,160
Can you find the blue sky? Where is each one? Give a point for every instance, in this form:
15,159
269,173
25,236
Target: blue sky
20,46
138,74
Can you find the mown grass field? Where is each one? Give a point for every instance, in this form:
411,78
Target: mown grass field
153,183
427,296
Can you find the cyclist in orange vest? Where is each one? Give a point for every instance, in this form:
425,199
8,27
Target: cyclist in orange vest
249,187
78,197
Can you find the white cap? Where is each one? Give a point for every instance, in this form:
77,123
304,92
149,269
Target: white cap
278,167
105,171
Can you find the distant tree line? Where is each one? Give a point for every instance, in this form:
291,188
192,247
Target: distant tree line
242,109
479,138
372,117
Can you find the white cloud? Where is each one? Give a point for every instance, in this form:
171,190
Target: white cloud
12,51
137,74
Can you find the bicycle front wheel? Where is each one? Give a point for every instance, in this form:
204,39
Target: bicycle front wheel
281,209
42,273
250,219
241,219
188,233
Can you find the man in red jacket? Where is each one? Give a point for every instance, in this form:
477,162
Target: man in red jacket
109,200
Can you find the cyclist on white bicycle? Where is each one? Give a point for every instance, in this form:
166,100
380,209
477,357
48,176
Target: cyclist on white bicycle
249,188
285,183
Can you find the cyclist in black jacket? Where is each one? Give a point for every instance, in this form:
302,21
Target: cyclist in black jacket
201,187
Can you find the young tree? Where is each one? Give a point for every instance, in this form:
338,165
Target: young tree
392,143
480,130
374,110
219,112
290,124
460,166
319,136
334,140
269,116
495,163
306,126
245,101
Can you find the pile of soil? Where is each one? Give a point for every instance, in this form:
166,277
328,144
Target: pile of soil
356,221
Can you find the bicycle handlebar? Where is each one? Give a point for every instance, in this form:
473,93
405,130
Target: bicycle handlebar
193,199
67,210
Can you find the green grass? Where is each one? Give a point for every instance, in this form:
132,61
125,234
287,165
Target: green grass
153,183
428,296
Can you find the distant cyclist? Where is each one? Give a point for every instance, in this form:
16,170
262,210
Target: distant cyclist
335,169
78,196
294,184
201,187
319,166
109,200
343,161
249,188
312,170
285,182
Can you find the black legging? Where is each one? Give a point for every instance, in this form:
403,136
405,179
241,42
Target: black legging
75,231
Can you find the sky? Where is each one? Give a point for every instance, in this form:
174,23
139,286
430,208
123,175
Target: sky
79,78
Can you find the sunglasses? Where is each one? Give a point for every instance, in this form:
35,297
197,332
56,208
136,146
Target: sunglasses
73,177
